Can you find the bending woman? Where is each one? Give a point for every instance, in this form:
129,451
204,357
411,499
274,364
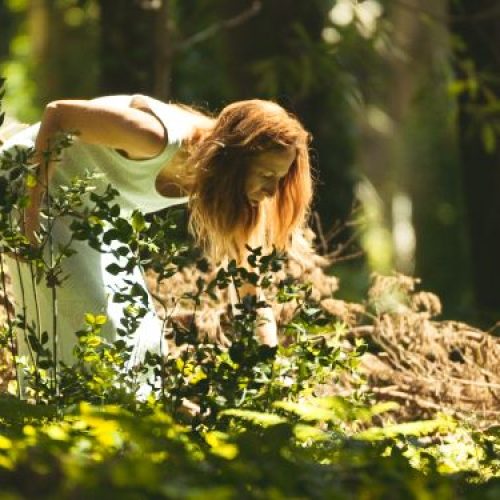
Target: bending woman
244,174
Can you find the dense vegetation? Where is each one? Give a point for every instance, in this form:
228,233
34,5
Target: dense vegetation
226,417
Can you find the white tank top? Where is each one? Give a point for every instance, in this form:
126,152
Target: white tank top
134,179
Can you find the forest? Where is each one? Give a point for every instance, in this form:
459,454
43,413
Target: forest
385,382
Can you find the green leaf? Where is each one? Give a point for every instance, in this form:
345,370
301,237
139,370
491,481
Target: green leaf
255,417
94,341
101,319
89,319
219,445
45,364
113,269
110,235
305,433
383,407
306,411
419,428
114,211
138,221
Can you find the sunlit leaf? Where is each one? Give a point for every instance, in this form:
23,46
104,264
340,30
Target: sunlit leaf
255,417
418,428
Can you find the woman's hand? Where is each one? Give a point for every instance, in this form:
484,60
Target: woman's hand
266,329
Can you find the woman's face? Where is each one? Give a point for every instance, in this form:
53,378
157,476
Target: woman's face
265,172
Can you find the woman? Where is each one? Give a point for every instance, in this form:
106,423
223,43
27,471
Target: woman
244,174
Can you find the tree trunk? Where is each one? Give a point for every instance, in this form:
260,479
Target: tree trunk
481,34
44,30
163,52
415,165
61,69
127,48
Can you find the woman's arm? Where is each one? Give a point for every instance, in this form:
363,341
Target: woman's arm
137,133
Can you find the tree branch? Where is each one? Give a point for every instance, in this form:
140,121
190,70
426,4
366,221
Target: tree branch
213,29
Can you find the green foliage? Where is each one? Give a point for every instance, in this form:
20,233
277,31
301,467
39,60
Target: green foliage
245,420
42,58
109,451
478,91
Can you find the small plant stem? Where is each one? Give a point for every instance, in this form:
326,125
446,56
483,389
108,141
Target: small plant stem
23,294
63,251
11,327
166,319
236,289
50,219
38,326
185,357
24,308
162,368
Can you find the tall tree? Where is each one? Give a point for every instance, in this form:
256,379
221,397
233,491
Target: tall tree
477,23
58,31
127,46
412,159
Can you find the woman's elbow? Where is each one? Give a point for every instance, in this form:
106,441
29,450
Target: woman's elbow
51,113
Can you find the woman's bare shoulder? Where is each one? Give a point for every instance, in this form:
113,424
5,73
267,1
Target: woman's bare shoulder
121,100
178,110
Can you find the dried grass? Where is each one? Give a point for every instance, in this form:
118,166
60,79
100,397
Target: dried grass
425,364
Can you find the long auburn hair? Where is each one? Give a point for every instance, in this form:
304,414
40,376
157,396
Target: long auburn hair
222,219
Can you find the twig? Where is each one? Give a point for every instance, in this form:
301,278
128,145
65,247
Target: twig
23,294
24,307
10,324
319,232
494,327
351,256
424,403
338,227
325,240
462,381
338,251
213,29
